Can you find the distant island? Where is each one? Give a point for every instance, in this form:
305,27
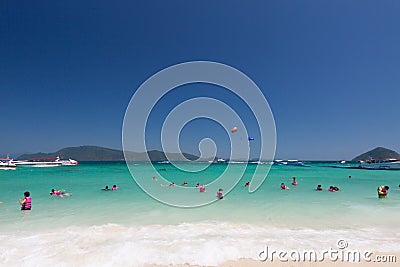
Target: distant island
379,153
97,153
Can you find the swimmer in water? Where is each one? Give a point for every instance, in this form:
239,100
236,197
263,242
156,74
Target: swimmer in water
294,181
105,189
172,184
60,193
184,183
220,194
349,176
383,191
284,187
197,185
154,179
114,188
319,187
247,184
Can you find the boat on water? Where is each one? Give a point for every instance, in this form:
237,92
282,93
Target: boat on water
6,164
45,162
386,164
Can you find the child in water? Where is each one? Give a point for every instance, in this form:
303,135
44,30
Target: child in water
247,184
26,203
319,188
294,181
114,188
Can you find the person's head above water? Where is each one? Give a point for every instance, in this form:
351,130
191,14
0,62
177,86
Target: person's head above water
27,194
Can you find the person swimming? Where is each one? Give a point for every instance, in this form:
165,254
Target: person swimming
220,194
294,181
26,203
105,188
319,187
247,184
284,187
184,183
60,193
383,191
172,184
114,188
154,179
197,185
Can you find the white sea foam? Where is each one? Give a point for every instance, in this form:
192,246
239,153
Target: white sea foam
204,243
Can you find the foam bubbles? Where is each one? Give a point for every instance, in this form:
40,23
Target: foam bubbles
204,243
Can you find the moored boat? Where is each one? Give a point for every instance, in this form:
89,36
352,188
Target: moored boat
386,164
45,162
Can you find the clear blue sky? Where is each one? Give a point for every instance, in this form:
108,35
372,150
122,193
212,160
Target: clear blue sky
329,69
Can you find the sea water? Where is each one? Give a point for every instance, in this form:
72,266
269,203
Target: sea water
127,227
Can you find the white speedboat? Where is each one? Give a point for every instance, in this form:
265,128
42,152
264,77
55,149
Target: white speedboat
6,164
387,164
45,162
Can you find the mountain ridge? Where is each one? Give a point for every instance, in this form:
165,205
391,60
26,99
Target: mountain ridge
97,153
378,153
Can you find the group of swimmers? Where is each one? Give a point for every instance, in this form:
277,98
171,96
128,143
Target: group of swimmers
382,190
114,188
26,202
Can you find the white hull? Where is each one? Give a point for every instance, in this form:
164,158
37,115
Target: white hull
42,164
7,168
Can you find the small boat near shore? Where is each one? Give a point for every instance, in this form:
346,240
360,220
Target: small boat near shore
45,162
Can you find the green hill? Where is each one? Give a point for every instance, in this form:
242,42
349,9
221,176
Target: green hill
379,153
96,153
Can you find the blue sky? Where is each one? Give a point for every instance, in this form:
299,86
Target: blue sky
329,69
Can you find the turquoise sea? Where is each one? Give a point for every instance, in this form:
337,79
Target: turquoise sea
127,227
